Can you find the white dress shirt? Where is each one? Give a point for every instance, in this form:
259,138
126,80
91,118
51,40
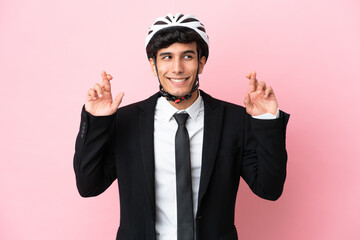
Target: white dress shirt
165,127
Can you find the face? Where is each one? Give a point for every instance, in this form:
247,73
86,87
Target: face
177,66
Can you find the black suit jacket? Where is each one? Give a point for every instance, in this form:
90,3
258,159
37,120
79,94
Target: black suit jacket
121,146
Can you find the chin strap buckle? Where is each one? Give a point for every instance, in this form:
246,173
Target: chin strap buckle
182,98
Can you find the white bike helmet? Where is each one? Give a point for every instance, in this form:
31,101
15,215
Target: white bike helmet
179,20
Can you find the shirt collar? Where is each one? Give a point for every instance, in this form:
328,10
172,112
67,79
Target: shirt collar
166,110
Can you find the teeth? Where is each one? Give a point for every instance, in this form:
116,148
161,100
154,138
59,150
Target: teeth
177,80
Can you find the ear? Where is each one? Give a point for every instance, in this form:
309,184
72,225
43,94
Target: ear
202,64
152,65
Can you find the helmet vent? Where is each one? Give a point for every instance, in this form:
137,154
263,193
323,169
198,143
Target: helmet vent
160,23
190,20
181,15
201,29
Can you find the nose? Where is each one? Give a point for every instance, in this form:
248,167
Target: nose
177,66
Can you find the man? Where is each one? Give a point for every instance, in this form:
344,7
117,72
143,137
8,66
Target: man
178,155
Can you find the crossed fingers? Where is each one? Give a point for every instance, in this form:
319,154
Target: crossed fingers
260,88
99,89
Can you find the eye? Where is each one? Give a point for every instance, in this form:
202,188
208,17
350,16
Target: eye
188,57
167,57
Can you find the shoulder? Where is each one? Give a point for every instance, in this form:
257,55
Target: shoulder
146,105
212,102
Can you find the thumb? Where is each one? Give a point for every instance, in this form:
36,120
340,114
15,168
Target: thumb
118,99
247,100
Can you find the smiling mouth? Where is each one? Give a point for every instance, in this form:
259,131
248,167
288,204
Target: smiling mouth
178,80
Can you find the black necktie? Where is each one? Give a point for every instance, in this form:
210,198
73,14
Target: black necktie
185,214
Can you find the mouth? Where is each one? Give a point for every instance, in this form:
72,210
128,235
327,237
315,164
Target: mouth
178,81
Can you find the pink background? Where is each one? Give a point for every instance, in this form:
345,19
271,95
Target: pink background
51,52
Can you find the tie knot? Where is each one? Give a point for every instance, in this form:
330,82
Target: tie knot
181,118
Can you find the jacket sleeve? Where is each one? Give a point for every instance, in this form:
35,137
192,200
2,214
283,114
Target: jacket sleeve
94,158
265,156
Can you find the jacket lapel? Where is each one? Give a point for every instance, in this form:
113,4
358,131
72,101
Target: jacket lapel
212,129
146,140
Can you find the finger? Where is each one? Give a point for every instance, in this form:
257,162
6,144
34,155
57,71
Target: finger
268,91
252,82
88,95
109,77
92,94
98,90
248,75
117,101
261,87
247,100
105,82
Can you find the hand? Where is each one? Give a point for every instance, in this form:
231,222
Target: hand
260,99
99,100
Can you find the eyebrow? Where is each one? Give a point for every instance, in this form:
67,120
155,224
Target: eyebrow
169,53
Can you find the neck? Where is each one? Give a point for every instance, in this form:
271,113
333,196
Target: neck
186,103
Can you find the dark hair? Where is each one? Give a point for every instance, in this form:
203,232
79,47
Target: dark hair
167,36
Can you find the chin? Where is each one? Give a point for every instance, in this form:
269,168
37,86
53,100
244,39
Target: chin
179,93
